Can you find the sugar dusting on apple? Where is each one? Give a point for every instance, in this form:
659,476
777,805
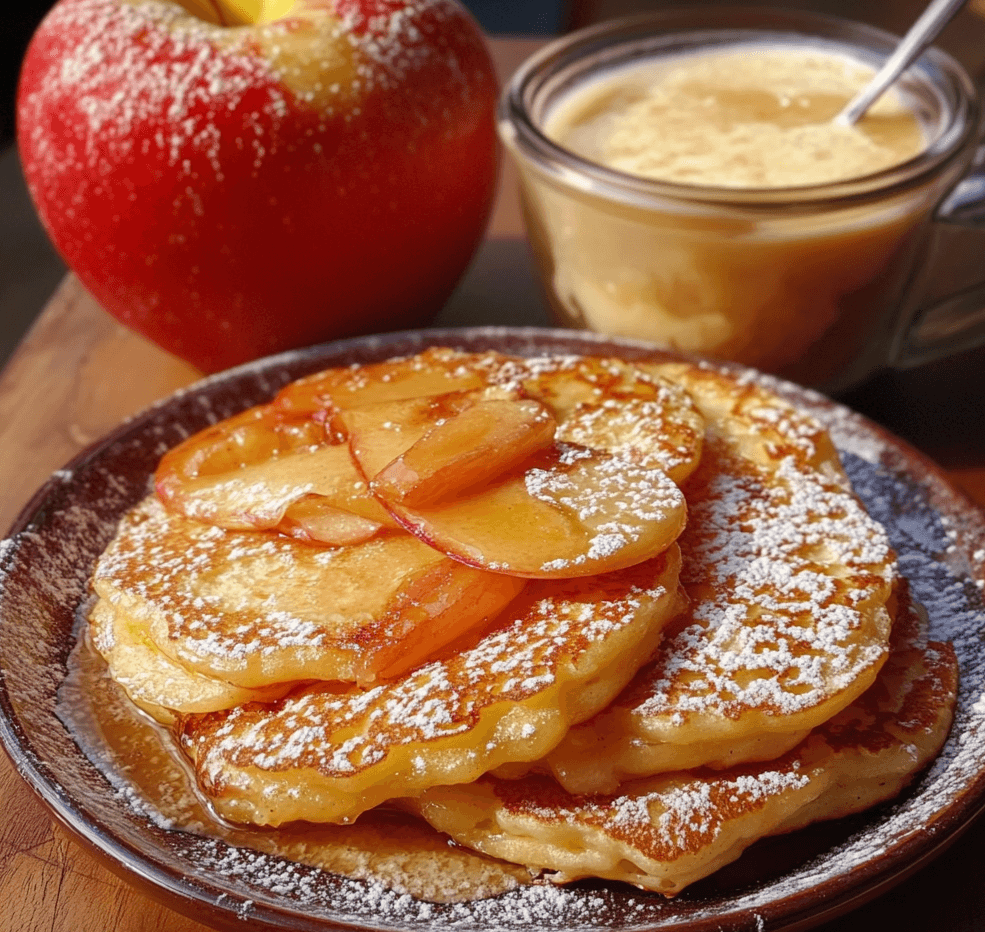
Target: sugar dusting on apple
231,191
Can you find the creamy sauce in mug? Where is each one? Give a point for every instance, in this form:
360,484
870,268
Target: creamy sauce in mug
752,116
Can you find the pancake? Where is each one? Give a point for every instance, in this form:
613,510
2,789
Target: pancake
153,681
615,406
560,653
313,683
787,579
664,832
255,609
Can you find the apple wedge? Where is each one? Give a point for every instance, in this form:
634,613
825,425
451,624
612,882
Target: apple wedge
437,607
573,512
267,469
315,519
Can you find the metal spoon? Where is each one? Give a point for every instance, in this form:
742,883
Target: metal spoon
933,19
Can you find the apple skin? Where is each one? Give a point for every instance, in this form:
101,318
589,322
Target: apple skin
224,210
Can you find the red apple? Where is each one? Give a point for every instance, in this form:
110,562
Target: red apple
235,190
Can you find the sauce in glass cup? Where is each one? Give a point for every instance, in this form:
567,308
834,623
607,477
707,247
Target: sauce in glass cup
683,182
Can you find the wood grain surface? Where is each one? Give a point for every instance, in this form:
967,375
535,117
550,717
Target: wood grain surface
78,374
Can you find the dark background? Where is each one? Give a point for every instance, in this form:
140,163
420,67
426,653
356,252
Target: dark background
19,22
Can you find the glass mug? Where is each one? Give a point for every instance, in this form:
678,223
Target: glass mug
822,284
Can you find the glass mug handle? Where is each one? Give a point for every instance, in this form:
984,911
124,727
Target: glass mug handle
956,321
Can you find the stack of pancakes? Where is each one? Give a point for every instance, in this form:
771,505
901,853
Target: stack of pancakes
592,617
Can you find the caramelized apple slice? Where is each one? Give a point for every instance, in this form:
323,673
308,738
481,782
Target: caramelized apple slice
573,512
601,497
275,467
252,436
269,469
389,429
315,520
435,371
431,611
466,450
566,510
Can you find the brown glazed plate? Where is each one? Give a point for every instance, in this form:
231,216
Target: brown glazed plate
789,882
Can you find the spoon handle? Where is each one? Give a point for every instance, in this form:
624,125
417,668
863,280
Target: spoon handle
933,19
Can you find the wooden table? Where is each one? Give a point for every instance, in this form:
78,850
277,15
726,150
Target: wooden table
78,373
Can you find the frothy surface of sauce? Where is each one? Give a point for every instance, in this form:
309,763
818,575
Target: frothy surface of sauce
751,116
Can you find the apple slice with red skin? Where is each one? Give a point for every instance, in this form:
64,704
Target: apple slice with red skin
266,469
602,496
465,443
315,520
283,466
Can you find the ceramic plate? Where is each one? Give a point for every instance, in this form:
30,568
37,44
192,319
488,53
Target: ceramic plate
788,882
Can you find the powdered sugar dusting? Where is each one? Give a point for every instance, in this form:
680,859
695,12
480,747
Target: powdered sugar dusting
676,815
147,77
396,40
625,440
258,609
614,497
787,575
140,65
